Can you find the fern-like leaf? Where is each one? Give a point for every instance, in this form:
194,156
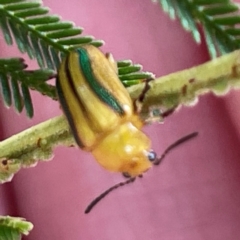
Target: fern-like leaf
220,20
15,81
39,34
131,74
12,228
44,36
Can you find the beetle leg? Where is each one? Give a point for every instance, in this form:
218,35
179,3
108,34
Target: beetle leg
168,112
112,62
139,101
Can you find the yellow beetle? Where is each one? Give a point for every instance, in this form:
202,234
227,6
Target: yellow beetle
103,117
101,112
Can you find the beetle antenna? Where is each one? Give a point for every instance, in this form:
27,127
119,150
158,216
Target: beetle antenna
130,180
173,145
104,194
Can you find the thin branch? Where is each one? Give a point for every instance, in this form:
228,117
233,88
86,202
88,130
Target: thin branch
181,88
28,147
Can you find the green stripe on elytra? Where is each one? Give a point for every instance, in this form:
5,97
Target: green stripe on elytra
100,91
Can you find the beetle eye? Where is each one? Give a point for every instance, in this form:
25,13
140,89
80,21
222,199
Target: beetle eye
152,156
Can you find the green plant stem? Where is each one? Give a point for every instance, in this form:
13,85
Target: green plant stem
180,88
36,143
183,87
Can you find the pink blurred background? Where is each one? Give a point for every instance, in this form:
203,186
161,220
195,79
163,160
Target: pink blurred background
193,195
